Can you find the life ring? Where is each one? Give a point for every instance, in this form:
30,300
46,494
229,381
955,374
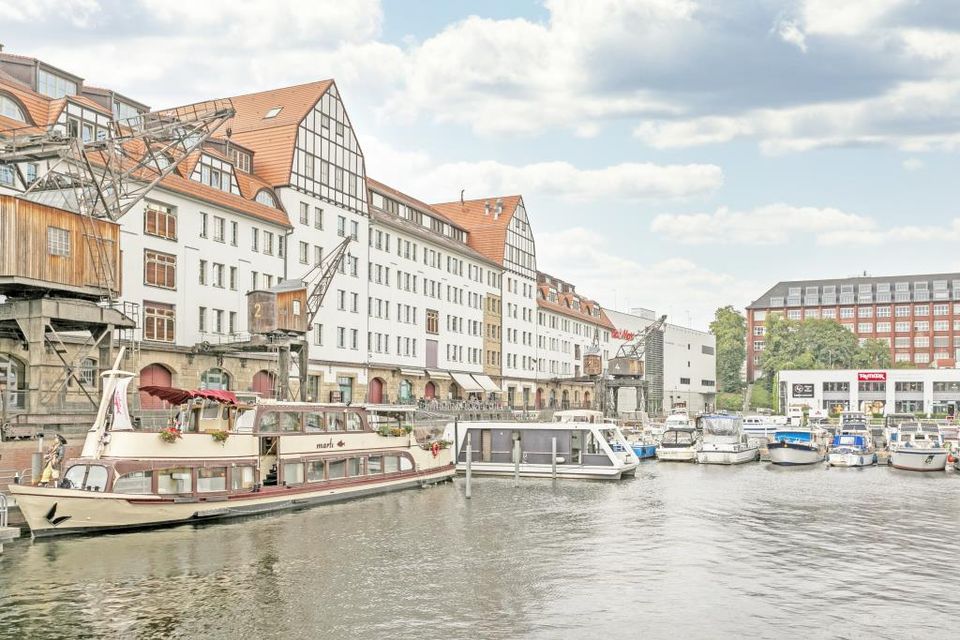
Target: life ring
435,449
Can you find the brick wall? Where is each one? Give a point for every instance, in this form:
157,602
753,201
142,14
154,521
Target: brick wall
16,456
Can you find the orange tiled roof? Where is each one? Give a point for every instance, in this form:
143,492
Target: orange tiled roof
488,232
37,106
561,307
273,140
376,185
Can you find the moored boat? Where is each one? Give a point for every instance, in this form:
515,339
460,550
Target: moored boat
678,444
798,446
223,459
725,442
917,446
851,449
584,450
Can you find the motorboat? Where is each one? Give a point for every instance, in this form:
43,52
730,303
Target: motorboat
917,446
798,446
762,428
725,442
221,458
678,444
852,447
585,450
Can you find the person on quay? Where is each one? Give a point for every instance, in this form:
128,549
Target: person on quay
53,458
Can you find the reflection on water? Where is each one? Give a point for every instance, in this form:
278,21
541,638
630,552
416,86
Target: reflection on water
681,551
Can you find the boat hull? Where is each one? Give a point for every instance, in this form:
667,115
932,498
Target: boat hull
579,472
644,451
720,455
790,454
58,512
667,454
918,459
851,459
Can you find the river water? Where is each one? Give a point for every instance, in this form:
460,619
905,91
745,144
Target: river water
682,551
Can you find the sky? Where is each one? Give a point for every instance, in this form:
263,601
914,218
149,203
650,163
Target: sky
677,155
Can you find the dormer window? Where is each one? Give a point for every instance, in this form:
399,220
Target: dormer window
242,160
265,197
272,113
216,173
54,86
10,109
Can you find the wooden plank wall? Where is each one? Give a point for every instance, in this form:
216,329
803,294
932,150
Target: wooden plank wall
23,245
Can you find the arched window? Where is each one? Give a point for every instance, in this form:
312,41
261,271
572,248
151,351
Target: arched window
215,379
265,197
11,109
406,391
88,372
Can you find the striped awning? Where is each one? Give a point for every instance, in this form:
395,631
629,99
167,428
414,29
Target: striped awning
416,373
466,382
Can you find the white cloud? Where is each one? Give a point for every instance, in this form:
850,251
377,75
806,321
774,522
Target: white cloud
789,32
416,173
770,224
846,18
675,286
912,164
77,12
901,235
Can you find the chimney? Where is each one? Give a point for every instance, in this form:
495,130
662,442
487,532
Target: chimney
486,207
461,196
499,206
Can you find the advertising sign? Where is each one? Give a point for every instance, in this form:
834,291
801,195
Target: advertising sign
872,376
802,390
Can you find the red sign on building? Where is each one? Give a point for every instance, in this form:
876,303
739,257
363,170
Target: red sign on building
872,376
623,334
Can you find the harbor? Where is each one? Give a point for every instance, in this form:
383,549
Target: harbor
682,550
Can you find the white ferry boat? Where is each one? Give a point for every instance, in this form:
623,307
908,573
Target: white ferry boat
586,450
725,442
223,459
679,444
917,446
799,446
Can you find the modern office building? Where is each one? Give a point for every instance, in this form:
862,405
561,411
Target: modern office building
918,316
931,392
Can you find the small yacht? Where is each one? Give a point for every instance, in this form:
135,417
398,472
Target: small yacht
796,447
852,447
586,450
762,427
725,442
678,444
917,446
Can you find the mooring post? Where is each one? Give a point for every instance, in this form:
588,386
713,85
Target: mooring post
516,462
553,456
469,460
36,461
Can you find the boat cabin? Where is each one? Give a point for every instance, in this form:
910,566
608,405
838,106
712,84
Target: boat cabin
579,415
678,437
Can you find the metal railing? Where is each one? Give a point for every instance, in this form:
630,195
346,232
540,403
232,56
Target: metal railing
3,511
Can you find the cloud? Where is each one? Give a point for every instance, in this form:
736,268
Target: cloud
770,224
675,286
417,174
789,32
894,235
912,164
77,13
847,18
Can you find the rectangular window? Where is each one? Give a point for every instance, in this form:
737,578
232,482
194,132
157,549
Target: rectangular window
160,269
268,243
218,275
304,252
255,239
203,272
203,225
58,241
341,226
160,220
233,278
232,326
318,218
304,213
201,319
234,233
158,321
219,228
433,321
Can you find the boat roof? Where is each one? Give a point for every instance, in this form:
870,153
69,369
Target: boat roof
542,426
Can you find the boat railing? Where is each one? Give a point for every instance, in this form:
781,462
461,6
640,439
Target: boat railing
3,510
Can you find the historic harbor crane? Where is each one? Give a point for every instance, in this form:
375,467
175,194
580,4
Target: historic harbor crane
638,365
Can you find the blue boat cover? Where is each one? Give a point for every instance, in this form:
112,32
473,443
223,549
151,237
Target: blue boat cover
792,436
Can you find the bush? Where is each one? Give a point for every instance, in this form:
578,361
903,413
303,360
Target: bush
730,401
760,397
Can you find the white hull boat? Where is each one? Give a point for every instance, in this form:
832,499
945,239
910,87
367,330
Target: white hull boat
677,455
724,442
788,455
679,444
851,458
919,459
731,454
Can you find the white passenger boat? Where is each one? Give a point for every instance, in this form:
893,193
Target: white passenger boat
678,444
725,442
852,447
917,446
798,446
223,459
762,427
586,450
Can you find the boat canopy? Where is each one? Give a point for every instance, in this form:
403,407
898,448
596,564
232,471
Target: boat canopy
793,436
721,425
180,396
849,440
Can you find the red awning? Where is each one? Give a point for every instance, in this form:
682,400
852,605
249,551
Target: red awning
180,396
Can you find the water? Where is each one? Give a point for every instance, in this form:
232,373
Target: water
682,551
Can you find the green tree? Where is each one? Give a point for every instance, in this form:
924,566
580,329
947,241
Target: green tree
808,344
729,326
873,353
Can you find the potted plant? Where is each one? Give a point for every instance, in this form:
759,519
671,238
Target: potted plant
219,436
170,434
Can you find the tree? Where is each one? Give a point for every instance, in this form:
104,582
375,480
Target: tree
874,354
729,326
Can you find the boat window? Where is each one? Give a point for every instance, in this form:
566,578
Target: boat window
137,482
211,479
405,464
293,473
335,421
391,464
241,478
177,480
314,421
337,469
353,422
315,471
719,426
592,443
374,465
353,467
244,423
268,421
74,476
96,478
290,422
211,411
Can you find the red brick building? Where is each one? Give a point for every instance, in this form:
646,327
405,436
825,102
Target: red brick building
917,315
